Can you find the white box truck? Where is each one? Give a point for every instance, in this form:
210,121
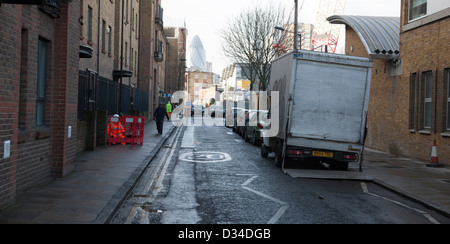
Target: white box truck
322,109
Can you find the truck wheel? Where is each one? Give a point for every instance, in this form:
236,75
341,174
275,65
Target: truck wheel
279,155
264,151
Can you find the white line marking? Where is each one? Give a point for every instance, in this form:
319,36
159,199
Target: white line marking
280,211
143,215
426,215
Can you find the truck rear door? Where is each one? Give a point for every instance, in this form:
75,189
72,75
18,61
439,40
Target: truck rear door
329,101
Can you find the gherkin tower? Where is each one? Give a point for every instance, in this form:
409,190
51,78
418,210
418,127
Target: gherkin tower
197,57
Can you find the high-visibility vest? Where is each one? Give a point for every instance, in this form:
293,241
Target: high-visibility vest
116,130
169,108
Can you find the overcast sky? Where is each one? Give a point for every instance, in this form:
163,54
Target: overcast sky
206,18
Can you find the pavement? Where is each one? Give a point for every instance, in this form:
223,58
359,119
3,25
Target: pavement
103,178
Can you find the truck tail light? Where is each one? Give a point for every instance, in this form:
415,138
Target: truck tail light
260,126
295,152
350,156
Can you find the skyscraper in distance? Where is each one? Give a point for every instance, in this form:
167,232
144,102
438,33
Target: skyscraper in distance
197,56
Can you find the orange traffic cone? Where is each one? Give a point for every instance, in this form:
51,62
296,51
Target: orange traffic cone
434,157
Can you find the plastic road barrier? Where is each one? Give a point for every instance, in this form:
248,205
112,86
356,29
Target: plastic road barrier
126,130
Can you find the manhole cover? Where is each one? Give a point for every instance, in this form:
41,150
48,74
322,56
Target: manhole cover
205,157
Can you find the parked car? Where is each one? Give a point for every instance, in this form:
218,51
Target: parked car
255,126
234,111
239,120
196,108
242,121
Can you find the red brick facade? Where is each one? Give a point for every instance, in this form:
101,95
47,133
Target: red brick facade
37,152
424,48
396,108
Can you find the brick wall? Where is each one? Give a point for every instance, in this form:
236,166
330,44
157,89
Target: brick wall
106,58
65,103
37,152
424,49
130,39
146,60
9,98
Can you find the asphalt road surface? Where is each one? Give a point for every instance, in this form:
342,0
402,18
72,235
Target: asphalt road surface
209,175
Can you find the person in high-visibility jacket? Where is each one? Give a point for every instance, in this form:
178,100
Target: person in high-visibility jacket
116,129
168,109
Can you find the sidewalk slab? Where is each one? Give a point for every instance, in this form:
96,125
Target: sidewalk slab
410,178
100,181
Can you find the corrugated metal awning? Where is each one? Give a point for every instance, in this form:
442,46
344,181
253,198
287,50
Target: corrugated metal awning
380,35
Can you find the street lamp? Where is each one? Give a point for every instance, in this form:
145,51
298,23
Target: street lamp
298,35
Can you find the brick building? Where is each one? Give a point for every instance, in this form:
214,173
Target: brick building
409,100
197,81
153,46
108,79
61,64
176,59
38,80
425,115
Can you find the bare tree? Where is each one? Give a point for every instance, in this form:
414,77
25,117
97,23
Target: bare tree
249,41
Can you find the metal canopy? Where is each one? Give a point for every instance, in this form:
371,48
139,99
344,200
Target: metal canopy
380,35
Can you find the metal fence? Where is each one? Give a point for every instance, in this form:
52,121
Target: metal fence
99,93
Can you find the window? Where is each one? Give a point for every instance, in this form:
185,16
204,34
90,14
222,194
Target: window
131,58
132,19
417,8
427,100
89,26
41,84
103,35
126,53
135,61
126,12
108,33
413,102
136,23
448,100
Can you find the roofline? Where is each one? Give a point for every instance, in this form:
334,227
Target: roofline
379,35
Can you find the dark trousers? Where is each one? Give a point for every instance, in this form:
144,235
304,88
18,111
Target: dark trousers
159,126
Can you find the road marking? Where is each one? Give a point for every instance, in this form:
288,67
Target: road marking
425,214
280,211
137,208
205,157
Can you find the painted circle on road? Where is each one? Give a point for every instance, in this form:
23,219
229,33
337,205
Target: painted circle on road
205,157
